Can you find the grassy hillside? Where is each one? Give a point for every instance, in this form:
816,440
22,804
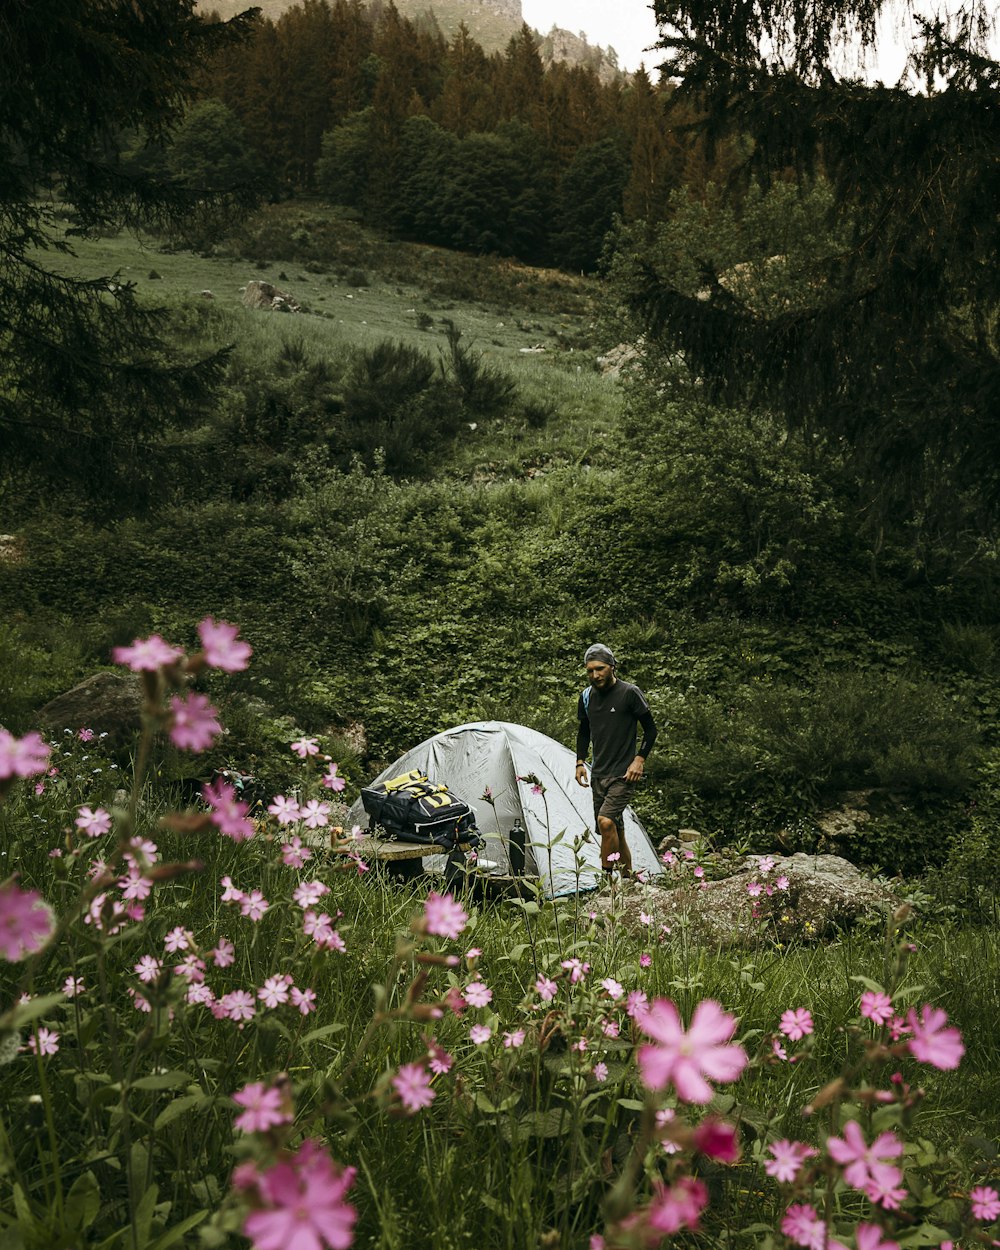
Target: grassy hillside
464,578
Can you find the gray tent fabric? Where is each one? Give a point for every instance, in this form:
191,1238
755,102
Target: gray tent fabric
495,754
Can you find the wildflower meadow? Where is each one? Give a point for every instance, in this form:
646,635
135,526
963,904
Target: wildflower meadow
222,1027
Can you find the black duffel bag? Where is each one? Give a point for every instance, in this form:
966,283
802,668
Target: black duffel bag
412,808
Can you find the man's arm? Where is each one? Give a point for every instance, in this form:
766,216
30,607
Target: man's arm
582,741
636,768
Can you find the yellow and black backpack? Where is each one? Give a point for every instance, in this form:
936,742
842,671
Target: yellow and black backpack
412,808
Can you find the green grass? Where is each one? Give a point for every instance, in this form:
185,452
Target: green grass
519,1143
500,307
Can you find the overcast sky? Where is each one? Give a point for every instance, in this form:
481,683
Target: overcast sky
627,25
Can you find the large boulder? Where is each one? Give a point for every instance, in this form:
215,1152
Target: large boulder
824,893
259,294
108,702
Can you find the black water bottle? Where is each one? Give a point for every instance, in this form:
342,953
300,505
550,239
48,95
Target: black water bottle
515,849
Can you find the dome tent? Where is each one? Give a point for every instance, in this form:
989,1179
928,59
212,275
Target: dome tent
498,754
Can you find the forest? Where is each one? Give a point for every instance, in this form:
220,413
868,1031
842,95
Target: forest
700,363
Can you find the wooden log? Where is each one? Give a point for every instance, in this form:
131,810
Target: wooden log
384,849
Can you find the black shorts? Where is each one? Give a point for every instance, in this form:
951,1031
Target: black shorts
611,796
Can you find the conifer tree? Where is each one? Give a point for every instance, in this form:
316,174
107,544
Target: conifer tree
898,353
85,382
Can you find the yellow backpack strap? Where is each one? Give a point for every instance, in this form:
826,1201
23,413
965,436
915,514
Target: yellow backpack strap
404,780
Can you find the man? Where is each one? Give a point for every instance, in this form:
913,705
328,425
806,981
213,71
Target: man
608,712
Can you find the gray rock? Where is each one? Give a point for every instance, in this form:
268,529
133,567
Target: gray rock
825,893
108,702
259,294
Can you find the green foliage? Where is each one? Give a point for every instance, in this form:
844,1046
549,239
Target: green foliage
739,510
896,353
589,199
86,383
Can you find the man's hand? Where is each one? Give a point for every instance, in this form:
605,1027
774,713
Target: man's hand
634,770
581,775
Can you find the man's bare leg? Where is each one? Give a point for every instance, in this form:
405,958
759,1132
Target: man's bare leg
609,842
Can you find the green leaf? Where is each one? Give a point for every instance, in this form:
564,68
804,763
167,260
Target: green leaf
163,1080
144,1216
178,1106
25,1219
23,1013
174,1234
923,1235
630,1104
83,1201
327,1030
869,984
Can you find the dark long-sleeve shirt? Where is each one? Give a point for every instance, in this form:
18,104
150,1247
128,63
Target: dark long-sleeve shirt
610,721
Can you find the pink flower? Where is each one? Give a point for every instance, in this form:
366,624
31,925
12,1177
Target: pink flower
438,1059
610,1028
238,1005
856,1157
22,757
765,864
146,655
514,1039
177,939
44,1042
678,1206
413,1085
315,814
148,968
796,1023
480,1033
230,892
869,1237
781,883
546,989
612,988
576,968
193,724
294,854
308,893
224,954
73,986
443,916
331,780
600,1072
274,992
754,888
303,1204
221,647
645,959
304,747
788,1159
135,885
718,1140
266,1107
931,1042
85,735
286,810
93,824
636,1004
883,1186
303,1001
477,994
802,1225
985,1203
684,1060
254,905
228,815
26,922
876,1006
